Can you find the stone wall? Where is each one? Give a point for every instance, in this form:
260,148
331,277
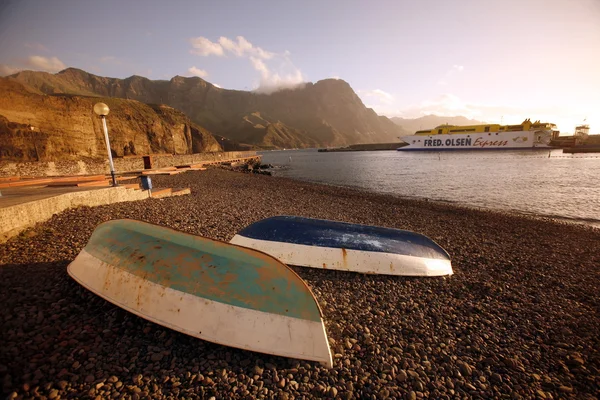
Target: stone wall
15,219
122,164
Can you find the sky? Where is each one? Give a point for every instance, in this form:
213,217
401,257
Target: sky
498,61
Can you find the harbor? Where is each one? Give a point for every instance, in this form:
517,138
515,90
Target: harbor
544,183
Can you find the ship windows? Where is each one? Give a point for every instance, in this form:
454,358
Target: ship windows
439,131
487,129
463,130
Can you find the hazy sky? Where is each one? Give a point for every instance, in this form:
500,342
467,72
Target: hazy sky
484,59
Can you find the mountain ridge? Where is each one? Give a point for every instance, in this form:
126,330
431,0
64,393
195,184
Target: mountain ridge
325,113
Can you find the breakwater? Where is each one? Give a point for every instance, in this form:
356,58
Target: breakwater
365,147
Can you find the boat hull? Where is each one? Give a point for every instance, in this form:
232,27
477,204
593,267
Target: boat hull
204,288
346,247
517,140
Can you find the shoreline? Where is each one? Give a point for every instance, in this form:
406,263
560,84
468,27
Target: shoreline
589,223
519,316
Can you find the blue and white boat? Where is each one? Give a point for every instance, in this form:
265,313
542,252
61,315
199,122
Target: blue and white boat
343,246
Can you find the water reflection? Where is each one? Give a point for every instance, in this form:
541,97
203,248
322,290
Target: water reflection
547,183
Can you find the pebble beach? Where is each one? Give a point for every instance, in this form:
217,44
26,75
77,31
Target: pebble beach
520,317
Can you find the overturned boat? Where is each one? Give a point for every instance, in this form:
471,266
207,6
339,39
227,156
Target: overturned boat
343,246
204,288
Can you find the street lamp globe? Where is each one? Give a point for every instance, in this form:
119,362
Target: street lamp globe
101,109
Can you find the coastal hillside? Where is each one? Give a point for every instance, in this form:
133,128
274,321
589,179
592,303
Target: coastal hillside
326,113
411,125
41,127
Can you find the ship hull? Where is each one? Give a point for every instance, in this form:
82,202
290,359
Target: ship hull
517,140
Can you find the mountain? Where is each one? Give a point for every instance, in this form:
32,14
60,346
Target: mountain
39,127
411,125
326,113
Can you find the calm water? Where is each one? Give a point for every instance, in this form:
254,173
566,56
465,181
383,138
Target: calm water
543,183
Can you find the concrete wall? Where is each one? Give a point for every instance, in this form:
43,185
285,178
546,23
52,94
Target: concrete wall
15,219
124,164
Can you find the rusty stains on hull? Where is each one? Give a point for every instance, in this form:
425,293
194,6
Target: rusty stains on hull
202,267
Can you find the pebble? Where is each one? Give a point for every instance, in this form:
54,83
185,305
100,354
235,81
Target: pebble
333,392
258,370
465,369
401,376
491,328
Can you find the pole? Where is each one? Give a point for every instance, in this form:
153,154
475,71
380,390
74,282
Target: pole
110,160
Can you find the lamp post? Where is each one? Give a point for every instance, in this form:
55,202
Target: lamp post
102,110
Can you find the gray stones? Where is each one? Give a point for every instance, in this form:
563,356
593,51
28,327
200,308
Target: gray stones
513,320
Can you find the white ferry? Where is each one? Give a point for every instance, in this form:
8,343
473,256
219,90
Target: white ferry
527,135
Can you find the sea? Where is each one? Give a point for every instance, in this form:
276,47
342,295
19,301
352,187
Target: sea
546,183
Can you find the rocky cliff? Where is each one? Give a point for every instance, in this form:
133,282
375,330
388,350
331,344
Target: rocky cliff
36,126
327,113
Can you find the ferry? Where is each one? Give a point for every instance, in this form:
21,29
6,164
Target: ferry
527,135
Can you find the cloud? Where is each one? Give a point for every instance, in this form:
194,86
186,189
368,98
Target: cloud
216,85
37,63
204,47
260,66
377,95
198,72
239,47
6,70
52,64
276,70
243,48
271,82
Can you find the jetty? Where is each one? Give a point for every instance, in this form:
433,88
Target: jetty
591,148
365,147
